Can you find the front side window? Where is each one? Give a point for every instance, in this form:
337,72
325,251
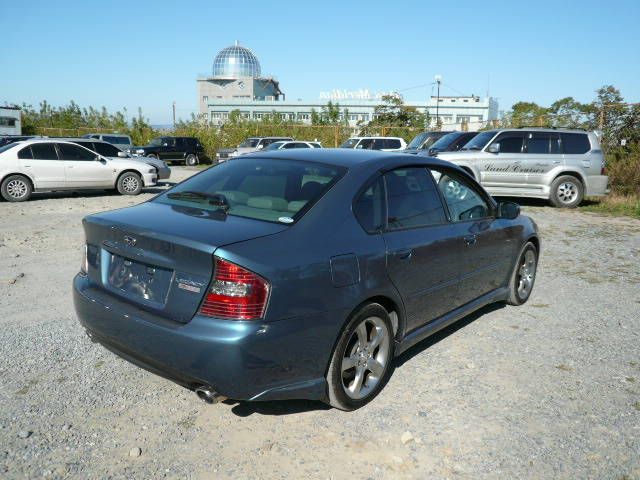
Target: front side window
261,189
249,143
44,151
510,142
463,202
106,149
369,207
417,140
275,146
392,143
367,144
412,199
351,143
479,141
75,152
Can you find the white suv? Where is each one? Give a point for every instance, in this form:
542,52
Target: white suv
50,164
386,144
560,165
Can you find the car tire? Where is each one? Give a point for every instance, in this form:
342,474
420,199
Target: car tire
566,192
523,276
129,183
153,155
361,363
16,188
191,160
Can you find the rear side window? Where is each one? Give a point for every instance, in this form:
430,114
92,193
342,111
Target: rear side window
510,142
366,143
543,143
412,199
575,143
44,151
74,152
25,153
391,143
262,189
369,208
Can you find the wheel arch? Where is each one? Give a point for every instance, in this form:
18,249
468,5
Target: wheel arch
572,173
22,174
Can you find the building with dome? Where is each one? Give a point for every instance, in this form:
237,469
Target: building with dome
237,76
237,84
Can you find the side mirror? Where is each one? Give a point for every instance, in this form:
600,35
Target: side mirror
260,147
494,148
508,210
122,155
165,144
100,159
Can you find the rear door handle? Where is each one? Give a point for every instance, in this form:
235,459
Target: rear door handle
470,240
403,254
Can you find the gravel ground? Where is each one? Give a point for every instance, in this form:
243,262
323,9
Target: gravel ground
547,390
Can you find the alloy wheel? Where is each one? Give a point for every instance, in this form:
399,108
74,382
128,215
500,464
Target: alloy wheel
130,184
526,274
567,192
365,358
17,188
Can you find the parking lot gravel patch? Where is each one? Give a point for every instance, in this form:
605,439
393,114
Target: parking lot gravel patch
547,390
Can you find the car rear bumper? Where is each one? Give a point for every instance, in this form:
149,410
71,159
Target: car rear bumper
241,360
597,185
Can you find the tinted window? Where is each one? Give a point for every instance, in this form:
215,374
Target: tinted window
44,151
369,207
106,149
463,201
575,143
543,142
110,139
366,143
379,144
74,152
479,141
258,188
351,143
510,142
392,143
25,153
412,199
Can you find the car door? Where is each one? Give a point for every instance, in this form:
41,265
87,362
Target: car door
83,169
483,246
542,152
503,167
167,149
41,162
422,256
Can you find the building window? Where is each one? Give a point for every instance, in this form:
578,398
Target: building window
466,100
205,98
7,122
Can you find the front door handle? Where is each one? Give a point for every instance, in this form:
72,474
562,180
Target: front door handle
470,240
404,254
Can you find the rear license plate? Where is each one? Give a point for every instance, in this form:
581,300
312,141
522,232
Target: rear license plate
139,280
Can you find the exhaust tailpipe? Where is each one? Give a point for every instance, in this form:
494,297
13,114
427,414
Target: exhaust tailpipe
208,395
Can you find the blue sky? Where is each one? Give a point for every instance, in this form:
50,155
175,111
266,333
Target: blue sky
147,54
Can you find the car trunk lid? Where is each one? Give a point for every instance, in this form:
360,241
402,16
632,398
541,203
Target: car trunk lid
160,257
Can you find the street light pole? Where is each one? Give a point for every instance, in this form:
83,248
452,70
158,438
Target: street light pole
438,79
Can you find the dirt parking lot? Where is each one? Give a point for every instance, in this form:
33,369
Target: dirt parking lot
547,390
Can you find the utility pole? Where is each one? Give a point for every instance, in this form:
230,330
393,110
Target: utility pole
438,79
174,114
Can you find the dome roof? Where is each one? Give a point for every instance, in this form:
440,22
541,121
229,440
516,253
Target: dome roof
236,61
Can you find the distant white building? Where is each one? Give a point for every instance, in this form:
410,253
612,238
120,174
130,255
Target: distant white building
10,120
237,85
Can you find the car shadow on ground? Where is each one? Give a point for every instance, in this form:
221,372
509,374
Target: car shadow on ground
92,193
287,407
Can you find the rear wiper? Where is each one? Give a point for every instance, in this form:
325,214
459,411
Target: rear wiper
215,199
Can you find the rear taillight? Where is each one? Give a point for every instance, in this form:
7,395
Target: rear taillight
603,169
235,293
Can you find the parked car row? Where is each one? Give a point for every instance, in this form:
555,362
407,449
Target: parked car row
52,164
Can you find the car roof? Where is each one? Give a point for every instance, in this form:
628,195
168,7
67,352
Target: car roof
352,158
539,129
373,136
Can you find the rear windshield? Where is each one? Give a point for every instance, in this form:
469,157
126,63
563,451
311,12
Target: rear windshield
259,188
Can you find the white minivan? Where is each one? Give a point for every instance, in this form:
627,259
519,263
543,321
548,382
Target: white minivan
39,164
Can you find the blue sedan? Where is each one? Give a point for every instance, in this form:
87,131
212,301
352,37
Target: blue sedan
299,274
